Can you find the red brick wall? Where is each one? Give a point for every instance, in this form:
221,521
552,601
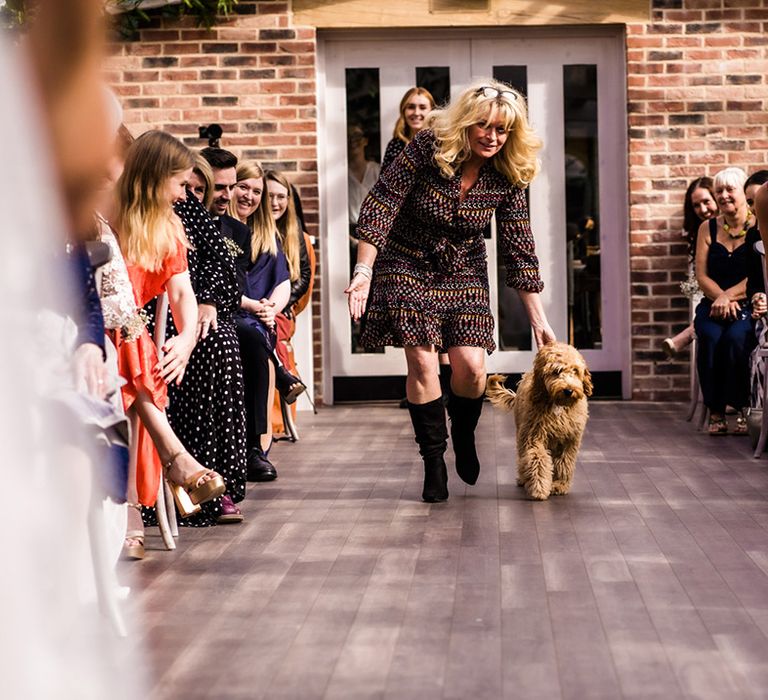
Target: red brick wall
696,94
254,74
697,97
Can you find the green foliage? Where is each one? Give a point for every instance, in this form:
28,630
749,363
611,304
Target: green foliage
14,14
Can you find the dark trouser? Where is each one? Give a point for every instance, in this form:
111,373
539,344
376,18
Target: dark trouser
255,353
722,360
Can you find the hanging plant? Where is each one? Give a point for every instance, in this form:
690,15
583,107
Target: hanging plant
129,16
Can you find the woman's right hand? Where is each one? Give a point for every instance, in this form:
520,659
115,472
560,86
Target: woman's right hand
266,313
357,295
724,308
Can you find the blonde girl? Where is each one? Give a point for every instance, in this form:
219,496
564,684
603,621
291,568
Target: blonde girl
156,171
430,207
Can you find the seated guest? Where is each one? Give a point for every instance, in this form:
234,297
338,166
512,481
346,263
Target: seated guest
267,290
255,350
201,183
699,205
756,294
723,323
154,245
296,245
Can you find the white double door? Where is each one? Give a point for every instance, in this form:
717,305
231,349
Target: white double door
578,210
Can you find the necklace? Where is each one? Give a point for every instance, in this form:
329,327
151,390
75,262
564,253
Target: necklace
738,234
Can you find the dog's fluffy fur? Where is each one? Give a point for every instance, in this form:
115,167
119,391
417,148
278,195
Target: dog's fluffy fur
550,409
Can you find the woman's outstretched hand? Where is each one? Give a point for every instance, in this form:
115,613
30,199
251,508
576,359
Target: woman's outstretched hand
543,334
357,295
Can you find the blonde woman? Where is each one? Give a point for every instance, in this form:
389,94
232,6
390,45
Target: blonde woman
296,246
154,245
415,107
267,288
431,279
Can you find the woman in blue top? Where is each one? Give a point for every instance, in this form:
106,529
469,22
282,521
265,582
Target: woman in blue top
723,323
266,290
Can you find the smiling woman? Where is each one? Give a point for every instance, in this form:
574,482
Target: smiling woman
430,280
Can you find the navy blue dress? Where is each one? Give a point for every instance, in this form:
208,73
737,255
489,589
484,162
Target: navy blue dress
724,345
257,341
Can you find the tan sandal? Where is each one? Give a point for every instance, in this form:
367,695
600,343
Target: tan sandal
191,494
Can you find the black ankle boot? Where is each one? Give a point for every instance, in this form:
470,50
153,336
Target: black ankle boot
432,437
464,414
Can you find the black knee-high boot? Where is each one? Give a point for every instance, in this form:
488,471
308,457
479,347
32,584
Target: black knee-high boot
464,414
445,381
432,437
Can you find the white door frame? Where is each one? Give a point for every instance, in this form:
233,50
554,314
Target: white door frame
545,94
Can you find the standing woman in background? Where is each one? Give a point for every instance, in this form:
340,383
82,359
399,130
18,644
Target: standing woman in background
421,240
416,104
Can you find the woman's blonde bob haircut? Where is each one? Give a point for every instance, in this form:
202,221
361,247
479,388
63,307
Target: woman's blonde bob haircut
402,131
288,226
261,222
730,177
517,160
148,229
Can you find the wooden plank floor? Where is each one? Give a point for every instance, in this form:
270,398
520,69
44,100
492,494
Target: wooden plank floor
650,580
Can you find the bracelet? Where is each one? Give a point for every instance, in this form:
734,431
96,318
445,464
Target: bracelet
363,269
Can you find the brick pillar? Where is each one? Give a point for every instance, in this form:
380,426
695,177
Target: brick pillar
696,103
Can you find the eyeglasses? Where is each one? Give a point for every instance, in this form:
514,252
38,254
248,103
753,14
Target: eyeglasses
488,91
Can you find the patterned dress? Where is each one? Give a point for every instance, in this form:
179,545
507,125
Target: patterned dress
430,284
207,411
394,148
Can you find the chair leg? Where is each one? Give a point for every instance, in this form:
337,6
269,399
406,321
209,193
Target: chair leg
695,390
162,517
763,424
170,507
103,570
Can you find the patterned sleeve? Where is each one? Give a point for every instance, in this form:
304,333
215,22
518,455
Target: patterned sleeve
382,205
394,148
517,244
214,278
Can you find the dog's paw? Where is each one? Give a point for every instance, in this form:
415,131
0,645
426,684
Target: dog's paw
560,488
536,493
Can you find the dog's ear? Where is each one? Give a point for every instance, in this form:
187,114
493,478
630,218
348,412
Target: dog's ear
587,382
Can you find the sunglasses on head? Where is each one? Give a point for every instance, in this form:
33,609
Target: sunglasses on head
488,91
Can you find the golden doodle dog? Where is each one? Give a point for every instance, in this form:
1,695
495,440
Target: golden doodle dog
550,409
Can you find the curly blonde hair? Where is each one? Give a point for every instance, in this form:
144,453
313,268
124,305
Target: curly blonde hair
402,131
517,160
148,229
261,222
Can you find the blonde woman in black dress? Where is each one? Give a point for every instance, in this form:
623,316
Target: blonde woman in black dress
421,242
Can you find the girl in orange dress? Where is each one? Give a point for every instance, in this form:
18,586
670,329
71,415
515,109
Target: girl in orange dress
153,243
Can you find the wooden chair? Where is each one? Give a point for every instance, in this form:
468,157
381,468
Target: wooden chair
166,509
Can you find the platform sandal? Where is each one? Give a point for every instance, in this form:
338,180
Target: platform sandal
133,544
717,426
191,494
